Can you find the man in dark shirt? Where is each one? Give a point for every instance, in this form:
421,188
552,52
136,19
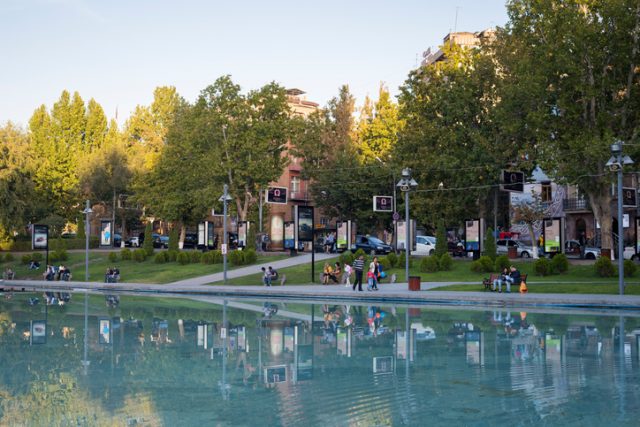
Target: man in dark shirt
514,277
358,267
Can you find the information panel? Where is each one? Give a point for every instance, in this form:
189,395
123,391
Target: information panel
472,235
382,203
552,238
277,195
40,236
106,233
289,235
305,223
342,235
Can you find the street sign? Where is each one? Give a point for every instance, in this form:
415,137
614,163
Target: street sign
396,216
223,333
512,181
382,203
223,249
277,195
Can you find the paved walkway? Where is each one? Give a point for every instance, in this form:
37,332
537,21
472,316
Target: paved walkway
253,269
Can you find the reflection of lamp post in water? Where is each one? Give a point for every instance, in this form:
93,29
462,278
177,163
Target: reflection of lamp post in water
225,388
85,361
86,213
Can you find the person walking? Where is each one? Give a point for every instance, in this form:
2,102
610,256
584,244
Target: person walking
374,270
358,267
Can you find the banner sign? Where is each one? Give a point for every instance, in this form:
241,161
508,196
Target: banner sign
277,195
106,233
40,236
305,223
472,235
243,231
552,239
382,203
289,235
512,181
342,235
629,197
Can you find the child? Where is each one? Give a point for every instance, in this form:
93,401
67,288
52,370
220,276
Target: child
266,277
347,275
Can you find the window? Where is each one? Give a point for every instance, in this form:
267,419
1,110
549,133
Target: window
546,195
295,184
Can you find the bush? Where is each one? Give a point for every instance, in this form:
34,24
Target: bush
139,255
361,252
385,263
502,262
477,267
1,257
559,263
393,259
174,239
113,256
26,259
402,260
183,258
487,264
37,256
429,264
490,249
347,257
125,254
236,257
59,255
543,267
172,255
217,256
9,257
603,267
445,262
147,245
195,256
250,256
160,258
441,236
207,258
629,268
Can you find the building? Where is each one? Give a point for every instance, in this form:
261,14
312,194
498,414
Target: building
291,179
463,39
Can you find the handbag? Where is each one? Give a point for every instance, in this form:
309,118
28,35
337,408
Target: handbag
523,287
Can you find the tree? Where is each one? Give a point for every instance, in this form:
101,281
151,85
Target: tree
569,83
441,236
16,186
530,212
490,244
378,128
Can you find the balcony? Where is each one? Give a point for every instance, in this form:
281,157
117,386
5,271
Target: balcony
576,204
299,194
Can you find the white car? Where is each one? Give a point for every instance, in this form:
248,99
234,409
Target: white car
630,253
423,333
523,251
425,245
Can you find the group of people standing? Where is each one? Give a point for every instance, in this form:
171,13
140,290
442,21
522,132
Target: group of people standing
57,273
374,274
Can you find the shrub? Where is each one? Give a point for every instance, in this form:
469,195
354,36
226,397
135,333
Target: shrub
543,267
393,259
58,255
125,254
147,245
603,267
160,258
402,260
361,252
629,268
477,267
250,256
174,239
385,263
217,256
1,257
37,256
139,255
445,262
195,256
502,262
429,264
559,263
207,258
172,255
490,249
347,257
183,258
9,257
487,264
113,256
26,259
236,257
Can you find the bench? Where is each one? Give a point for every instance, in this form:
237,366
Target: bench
488,282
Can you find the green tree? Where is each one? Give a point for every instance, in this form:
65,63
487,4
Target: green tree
569,88
530,212
16,187
441,239
147,245
490,244
378,128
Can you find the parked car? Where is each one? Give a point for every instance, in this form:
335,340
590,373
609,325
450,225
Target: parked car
371,245
117,240
572,250
133,242
190,241
68,235
160,241
425,245
630,253
423,333
523,250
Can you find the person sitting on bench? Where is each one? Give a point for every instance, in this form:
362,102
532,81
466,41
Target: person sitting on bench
502,279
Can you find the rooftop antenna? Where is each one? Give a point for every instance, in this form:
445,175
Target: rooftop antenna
455,26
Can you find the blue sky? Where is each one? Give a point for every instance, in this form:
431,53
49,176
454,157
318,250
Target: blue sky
118,51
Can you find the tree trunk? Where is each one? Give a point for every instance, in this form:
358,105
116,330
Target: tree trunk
183,233
534,242
601,205
123,218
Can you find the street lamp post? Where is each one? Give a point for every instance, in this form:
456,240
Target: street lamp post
406,184
225,199
87,210
616,163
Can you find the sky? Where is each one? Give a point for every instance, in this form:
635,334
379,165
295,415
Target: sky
118,51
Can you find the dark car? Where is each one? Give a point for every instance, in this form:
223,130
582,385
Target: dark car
160,241
372,245
117,240
190,241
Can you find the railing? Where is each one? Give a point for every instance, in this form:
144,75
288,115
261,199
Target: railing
576,204
299,195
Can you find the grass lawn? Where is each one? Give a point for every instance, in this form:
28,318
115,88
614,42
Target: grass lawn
130,271
579,278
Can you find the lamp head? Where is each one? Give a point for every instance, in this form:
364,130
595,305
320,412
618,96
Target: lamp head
616,148
406,173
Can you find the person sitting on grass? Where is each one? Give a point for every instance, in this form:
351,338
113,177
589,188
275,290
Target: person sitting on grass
266,277
34,265
337,272
326,273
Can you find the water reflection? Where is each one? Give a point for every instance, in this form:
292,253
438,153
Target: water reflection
130,360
